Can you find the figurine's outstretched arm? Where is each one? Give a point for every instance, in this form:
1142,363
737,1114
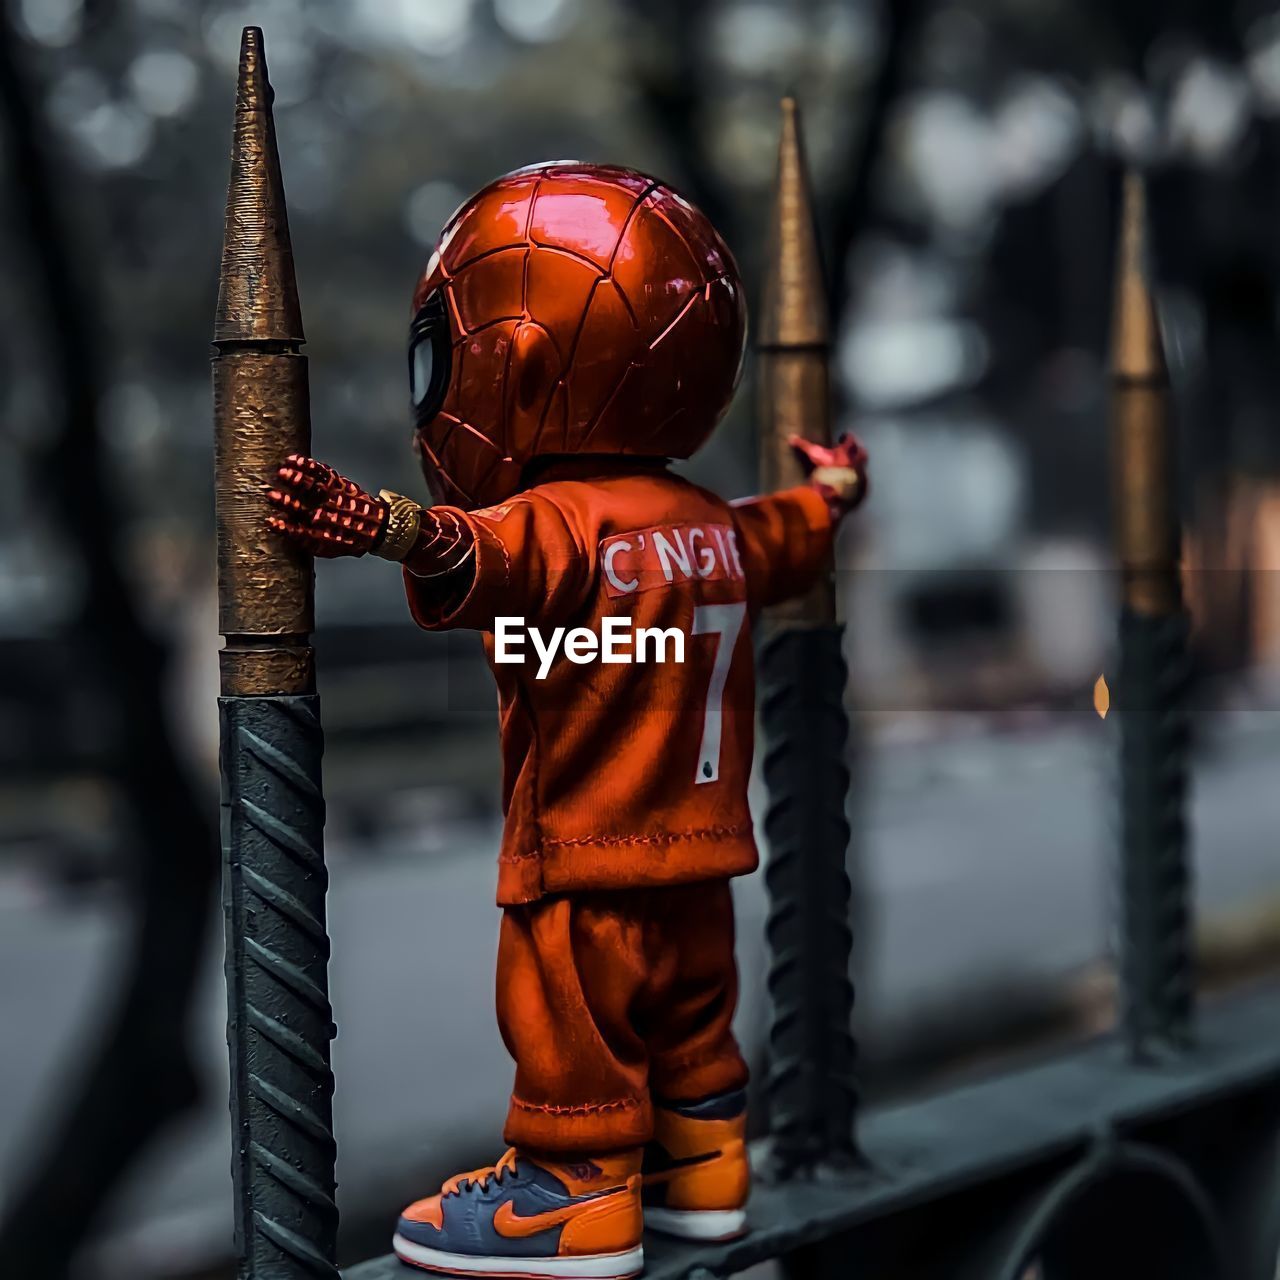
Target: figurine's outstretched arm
786,536
462,569
330,516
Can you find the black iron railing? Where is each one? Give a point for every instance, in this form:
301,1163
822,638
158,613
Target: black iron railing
1151,1153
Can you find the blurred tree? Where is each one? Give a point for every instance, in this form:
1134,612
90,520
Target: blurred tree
140,1075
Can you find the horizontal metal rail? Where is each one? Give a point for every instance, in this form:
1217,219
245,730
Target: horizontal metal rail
940,1147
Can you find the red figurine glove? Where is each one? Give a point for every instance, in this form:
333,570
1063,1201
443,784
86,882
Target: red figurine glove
325,513
838,473
328,515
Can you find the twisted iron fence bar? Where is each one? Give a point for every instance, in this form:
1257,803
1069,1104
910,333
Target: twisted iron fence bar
810,1085
279,1025
1155,910
1155,943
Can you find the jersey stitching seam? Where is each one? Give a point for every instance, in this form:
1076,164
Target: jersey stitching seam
622,1104
668,837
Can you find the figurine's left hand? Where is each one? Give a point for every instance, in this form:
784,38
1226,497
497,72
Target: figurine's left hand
323,512
839,473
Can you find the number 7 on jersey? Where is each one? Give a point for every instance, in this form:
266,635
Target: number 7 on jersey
723,621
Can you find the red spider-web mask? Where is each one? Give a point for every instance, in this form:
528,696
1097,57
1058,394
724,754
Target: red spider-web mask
570,309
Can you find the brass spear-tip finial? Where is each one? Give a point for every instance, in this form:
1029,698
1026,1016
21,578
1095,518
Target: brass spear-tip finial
1145,499
793,345
1137,352
793,310
261,410
257,290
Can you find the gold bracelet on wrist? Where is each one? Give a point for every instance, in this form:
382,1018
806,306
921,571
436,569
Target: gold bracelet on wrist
404,518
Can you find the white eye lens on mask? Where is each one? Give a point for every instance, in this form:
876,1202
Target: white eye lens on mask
420,370
429,355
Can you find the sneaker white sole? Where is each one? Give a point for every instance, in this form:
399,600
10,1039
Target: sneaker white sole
591,1266
697,1224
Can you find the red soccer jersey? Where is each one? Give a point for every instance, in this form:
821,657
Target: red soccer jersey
617,773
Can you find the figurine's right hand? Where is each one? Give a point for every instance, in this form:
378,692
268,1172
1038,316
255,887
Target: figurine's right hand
323,512
839,473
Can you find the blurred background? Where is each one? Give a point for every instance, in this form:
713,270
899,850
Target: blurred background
965,155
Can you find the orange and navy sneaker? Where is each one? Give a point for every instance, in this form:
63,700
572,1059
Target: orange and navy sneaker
526,1217
696,1177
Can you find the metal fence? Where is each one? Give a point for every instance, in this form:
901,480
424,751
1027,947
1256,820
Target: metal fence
1149,1152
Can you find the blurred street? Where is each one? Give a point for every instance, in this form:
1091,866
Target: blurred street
985,857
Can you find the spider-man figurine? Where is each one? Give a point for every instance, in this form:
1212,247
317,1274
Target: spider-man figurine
578,327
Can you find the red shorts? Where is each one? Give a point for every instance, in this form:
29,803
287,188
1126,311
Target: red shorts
608,999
